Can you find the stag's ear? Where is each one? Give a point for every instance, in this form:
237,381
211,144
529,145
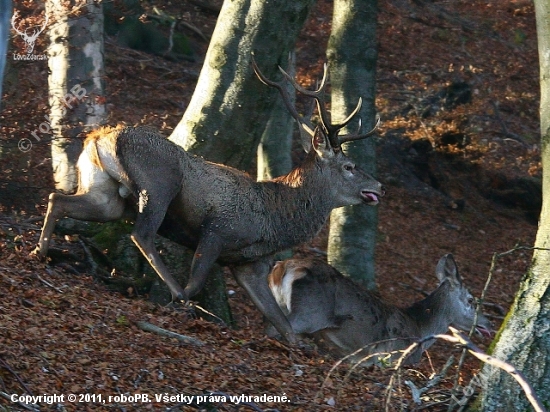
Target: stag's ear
321,144
447,270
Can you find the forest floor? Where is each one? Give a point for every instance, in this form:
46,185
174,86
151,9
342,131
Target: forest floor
459,153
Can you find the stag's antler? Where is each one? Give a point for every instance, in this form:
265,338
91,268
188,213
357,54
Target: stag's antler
305,126
330,129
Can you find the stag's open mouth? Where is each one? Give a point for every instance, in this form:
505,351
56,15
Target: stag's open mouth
484,331
369,198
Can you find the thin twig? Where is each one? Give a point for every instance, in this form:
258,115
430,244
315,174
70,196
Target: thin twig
195,30
358,363
505,366
478,353
417,392
194,305
494,259
495,306
472,329
406,353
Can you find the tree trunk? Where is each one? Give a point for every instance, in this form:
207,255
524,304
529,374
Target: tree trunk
352,55
274,157
230,107
75,82
524,338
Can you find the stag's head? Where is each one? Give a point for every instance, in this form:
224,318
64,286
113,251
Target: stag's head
349,184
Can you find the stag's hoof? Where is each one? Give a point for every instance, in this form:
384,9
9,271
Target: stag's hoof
179,302
38,252
181,298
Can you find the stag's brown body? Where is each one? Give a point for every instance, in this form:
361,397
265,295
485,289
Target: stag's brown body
221,212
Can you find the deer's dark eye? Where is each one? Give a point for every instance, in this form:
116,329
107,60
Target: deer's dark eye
348,167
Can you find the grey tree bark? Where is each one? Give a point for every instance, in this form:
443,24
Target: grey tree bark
352,55
230,106
524,338
75,82
274,150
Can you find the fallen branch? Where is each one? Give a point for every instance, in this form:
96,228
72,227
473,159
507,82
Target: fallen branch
5,365
27,407
45,282
149,327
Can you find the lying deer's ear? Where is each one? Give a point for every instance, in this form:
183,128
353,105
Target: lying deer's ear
321,144
447,270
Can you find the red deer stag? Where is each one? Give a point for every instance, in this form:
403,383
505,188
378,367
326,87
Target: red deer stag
221,212
321,302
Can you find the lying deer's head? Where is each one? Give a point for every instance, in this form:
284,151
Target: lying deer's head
458,303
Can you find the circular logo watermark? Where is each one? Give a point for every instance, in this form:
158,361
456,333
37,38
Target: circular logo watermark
24,145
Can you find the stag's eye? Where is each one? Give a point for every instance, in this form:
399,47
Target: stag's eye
470,300
349,167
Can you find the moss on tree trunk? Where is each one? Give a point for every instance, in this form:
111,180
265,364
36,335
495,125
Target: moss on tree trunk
524,338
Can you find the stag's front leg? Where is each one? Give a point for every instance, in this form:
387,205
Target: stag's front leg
253,278
147,224
146,244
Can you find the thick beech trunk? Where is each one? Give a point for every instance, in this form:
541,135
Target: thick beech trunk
524,338
352,54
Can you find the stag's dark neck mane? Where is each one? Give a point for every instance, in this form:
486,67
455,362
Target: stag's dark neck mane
300,202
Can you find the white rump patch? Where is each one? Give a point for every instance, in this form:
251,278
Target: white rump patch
283,290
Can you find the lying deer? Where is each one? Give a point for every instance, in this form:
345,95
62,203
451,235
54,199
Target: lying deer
221,212
319,301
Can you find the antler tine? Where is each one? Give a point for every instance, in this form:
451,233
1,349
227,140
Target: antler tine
318,95
357,136
305,125
350,116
